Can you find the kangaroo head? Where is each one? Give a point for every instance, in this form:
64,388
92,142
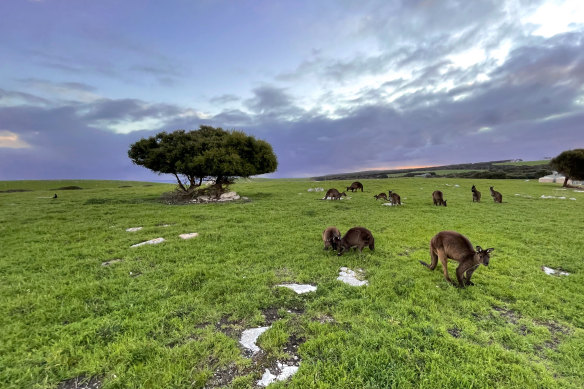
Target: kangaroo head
483,255
473,188
444,203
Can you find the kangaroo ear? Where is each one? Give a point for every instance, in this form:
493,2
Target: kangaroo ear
479,249
489,250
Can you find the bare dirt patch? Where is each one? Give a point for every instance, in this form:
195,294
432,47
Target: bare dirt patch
508,314
455,332
81,382
557,333
324,319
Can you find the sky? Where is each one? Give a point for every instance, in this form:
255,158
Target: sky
333,85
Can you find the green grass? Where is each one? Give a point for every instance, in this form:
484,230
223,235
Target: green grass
151,320
525,163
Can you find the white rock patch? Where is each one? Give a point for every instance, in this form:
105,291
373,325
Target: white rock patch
133,229
349,277
550,271
457,186
388,204
111,262
579,191
189,236
553,197
151,241
299,288
249,337
342,198
286,371
315,189
229,196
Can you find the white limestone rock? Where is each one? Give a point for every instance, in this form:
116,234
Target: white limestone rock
299,288
151,241
349,277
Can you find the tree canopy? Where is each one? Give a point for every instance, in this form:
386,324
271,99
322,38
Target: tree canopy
570,163
207,153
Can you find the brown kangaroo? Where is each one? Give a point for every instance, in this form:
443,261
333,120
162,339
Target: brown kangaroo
498,197
380,196
355,186
394,198
438,198
331,238
334,194
356,237
476,195
451,244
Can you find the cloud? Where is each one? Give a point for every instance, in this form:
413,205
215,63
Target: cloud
10,140
61,91
272,103
225,99
11,98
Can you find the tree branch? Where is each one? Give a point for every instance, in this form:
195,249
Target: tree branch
180,184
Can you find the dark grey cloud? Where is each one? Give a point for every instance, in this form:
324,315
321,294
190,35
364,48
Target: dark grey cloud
272,103
127,109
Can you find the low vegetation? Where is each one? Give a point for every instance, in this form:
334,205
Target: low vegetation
78,303
480,170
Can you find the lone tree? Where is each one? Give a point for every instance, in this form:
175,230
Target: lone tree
570,163
207,153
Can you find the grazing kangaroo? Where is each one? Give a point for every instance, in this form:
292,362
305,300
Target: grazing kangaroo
394,198
380,196
498,197
334,194
451,244
438,198
476,195
355,186
55,196
356,237
331,238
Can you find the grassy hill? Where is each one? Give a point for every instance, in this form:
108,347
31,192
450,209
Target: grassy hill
170,315
488,170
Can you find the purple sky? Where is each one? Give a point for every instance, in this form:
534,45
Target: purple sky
334,86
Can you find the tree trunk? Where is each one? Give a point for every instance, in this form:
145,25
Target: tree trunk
180,184
566,181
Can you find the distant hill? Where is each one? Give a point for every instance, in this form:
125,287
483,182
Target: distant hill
492,170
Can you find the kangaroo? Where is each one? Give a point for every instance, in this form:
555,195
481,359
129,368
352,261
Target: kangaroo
438,198
355,186
498,197
394,198
380,196
356,237
331,238
453,245
55,196
334,194
476,195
